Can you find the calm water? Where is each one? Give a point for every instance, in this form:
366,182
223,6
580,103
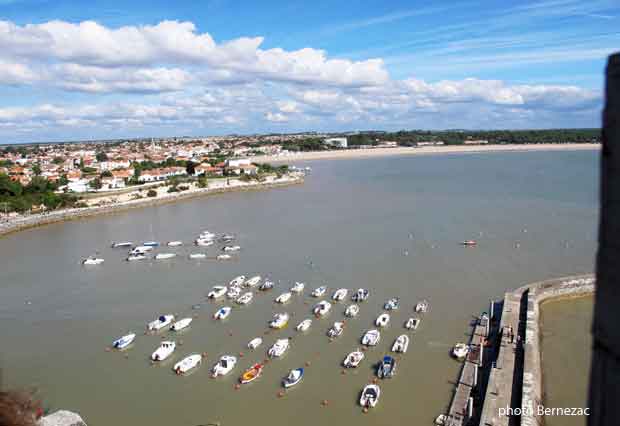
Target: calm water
389,224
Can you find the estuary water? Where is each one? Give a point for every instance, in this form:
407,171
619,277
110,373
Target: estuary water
392,225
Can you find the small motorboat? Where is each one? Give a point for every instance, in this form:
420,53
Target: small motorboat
401,344
386,368
223,257
304,325
151,244
175,243
336,329
441,420
353,359
141,249
469,243
267,285
391,304
233,292
226,238
122,244
412,323
232,248
181,324
255,343
340,294
298,287
352,311
93,261
360,295
138,256
164,350
251,374
422,307
237,281
279,321
197,256
163,256
371,338
253,281
207,235
245,299
370,396
188,363
217,292
460,351
279,348
161,322
382,320
284,297
201,242
123,342
223,366
293,377
222,313
319,291
322,308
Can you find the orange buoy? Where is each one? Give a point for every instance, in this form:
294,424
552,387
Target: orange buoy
240,354
374,380
280,394
308,363
365,410
204,354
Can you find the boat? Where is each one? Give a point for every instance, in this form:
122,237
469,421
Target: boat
122,244
175,243
422,306
151,244
133,257
141,249
223,257
382,320
251,374
232,248
460,350
255,343
340,294
412,323
352,311
222,313
207,235
267,285
391,304
223,366
284,297
441,420
227,238
293,377
233,292
401,344
304,325
353,359
322,308
336,329
469,243
252,281
93,261
123,342
164,350
181,324
298,287
163,256
371,338
204,243
188,363
197,256
279,321
245,298
319,291
161,322
237,281
386,368
360,295
278,348
217,292
370,396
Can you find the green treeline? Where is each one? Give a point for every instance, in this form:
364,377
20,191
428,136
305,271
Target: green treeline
16,197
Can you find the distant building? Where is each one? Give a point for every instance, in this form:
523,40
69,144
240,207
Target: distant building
430,143
476,142
339,142
238,163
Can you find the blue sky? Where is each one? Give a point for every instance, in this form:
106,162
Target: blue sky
99,69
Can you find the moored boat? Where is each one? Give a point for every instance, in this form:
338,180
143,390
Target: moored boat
150,244
370,396
319,291
223,366
138,256
181,324
223,257
340,294
279,321
293,377
197,256
336,329
175,243
164,350
93,261
391,304
251,282
237,281
231,248
469,243
188,363
284,297
304,325
222,313
122,244
279,348
360,295
255,343
298,287
201,242
460,351
124,342
386,368
383,320
352,311
163,256
245,298
161,322
322,308
217,292
233,292
141,249
422,306
412,323
401,344
267,285
353,359
371,338
251,373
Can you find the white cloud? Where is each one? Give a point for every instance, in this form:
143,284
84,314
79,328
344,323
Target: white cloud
276,117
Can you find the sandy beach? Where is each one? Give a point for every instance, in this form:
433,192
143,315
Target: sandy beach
382,152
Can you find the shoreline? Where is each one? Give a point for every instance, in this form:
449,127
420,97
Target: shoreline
426,150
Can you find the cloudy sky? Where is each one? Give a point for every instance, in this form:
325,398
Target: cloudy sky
106,69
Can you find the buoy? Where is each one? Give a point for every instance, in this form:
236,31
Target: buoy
266,361
343,372
365,410
204,354
364,349
126,356
325,403
308,363
237,386
230,333
107,349
180,342
280,394
374,380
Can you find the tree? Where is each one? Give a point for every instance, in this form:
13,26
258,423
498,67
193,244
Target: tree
190,168
151,193
36,169
58,160
101,156
95,183
203,182
106,173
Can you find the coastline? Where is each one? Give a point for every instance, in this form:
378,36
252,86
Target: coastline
426,150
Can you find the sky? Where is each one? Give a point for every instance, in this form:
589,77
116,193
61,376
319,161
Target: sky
74,70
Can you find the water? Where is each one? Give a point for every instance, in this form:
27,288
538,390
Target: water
390,224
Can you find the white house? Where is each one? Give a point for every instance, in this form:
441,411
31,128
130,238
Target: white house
238,163
78,185
339,142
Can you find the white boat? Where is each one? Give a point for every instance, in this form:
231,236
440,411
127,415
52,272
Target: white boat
422,306
245,298
267,285
175,243
391,304
223,257
370,396
161,322
382,320
412,323
322,308
460,350
237,281
304,325
279,321
141,249
284,297
164,350
138,256
293,377
340,294
441,420
232,248
222,313
255,343
223,366
401,344
207,235
228,237
204,243
163,256
251,282
233,292
319,291
217,292
123,342
187,363
353,359
122,244
150,244
298,287
360,295
197,256
278,348
93,261
371,338
336,329
181,324
386,368
352,311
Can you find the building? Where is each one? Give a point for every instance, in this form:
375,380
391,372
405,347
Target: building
476,142
238,163
161,174
338,142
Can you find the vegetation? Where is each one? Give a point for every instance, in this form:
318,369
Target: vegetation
16,197
203,182
151,193
309,144
18,409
